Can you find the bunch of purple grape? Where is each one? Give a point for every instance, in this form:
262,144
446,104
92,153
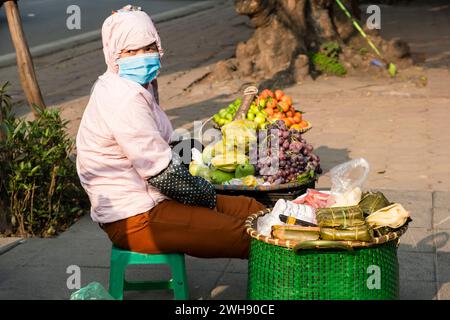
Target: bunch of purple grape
286,155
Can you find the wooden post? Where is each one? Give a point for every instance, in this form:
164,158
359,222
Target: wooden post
24,61
2,136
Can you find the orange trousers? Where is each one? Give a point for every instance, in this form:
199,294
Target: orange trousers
172,227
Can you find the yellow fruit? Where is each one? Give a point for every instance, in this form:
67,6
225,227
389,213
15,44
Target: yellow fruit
249,181
239,134
229,161
199,170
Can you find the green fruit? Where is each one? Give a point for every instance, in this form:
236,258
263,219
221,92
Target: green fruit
218,176
222,112
216,118
250,116
229,116
238,102
221,121
244,170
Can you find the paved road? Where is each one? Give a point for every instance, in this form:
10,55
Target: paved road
45,20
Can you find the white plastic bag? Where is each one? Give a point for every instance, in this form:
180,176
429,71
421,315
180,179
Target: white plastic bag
347,180
287,208
264,224
298,211
196,156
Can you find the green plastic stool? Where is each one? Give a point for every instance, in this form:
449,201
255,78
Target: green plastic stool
120,259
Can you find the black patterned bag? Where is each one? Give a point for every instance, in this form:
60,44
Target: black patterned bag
178,184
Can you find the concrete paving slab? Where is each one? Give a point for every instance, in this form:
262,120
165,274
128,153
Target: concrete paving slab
22,254
231,286
441,218
442,240
84,228
416,266
36,283
200,284
418,240
78,251
441,199
418,290
444,291
197,264
418,203
443,268
9,243
237,266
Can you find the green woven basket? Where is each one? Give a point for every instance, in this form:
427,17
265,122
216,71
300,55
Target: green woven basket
277,272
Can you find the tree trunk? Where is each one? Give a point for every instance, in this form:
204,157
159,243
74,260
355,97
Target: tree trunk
288,29
24,61
287,32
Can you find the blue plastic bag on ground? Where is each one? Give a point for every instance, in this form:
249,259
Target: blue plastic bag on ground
93,291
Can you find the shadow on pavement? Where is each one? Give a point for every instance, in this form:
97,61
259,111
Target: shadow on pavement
330,157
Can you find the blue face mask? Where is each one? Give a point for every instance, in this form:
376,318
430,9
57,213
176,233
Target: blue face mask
142,68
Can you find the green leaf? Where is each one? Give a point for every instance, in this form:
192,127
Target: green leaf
34,170
392,69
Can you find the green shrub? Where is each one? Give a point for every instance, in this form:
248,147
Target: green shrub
39,185
327,59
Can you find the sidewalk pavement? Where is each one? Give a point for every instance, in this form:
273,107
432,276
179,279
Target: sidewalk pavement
37,268
401,129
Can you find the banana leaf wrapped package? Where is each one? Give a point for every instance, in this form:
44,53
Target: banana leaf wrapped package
373,201
359,233
295,233
341,217
393,216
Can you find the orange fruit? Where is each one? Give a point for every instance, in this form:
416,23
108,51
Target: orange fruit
271,103
296,127
287,100
284,106
287,122
290,113
269,111
267,93
279,94
303,124
276,116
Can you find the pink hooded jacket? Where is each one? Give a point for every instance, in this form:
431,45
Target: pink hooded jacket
124,134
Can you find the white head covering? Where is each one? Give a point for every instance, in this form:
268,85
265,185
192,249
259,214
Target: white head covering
127,29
